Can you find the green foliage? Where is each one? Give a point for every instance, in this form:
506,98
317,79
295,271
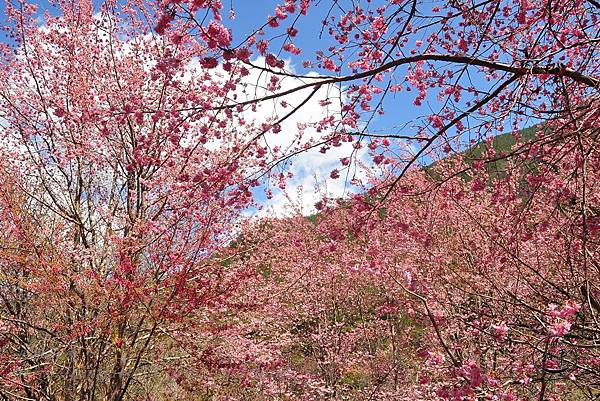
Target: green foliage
382,213
265,271
355,380
313,218
502,145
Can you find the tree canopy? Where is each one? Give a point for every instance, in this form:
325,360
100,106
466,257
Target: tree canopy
449,253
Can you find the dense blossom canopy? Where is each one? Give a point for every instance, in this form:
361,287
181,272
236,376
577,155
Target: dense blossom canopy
454,263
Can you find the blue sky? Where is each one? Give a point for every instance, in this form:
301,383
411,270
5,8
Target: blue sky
250,14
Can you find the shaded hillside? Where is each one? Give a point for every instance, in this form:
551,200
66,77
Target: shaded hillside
502,146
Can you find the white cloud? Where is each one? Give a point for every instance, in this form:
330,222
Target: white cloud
311,169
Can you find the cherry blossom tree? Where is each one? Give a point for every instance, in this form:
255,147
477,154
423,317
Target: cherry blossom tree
113,201
480,68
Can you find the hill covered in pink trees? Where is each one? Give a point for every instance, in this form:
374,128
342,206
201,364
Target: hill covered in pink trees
456,290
